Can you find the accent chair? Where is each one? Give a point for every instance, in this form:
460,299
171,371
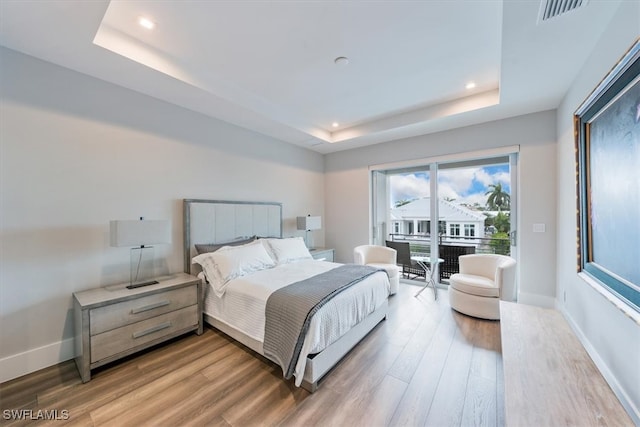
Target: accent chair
380,257
483,281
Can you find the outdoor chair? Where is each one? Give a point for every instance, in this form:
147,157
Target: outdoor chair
409,267
451,254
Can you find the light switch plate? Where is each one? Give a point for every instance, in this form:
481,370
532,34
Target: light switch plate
538,228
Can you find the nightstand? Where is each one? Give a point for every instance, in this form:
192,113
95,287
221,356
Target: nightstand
113,322
323,254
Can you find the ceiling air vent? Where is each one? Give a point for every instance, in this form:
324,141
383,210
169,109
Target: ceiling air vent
551,8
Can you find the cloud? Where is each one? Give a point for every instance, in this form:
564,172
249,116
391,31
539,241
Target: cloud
473,198
464,185
407,187
448,191
484,178
503,178
459,180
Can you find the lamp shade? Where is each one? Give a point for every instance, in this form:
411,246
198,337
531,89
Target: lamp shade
139,232
309,223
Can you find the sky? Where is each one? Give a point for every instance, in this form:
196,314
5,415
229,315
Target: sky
464,185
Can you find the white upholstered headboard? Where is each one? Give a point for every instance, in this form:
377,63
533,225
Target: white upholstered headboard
220,221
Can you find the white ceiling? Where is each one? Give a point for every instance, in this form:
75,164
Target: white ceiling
269,65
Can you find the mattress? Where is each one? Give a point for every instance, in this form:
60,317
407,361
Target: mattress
242,306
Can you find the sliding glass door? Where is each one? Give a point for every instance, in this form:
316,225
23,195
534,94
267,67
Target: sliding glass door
447,207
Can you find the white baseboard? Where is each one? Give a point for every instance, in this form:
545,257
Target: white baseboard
537,300
33,360
627,403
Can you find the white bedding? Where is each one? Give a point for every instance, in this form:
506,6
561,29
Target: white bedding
243,304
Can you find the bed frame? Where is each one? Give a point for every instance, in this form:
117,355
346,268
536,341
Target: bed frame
218,221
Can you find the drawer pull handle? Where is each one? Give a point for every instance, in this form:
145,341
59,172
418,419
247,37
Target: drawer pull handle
149,307
156,328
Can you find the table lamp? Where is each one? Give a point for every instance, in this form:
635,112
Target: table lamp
309,223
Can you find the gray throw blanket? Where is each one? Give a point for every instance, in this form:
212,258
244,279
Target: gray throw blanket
289,311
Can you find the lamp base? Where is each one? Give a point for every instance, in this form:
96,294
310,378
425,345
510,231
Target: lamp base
308,239
142,267
141,284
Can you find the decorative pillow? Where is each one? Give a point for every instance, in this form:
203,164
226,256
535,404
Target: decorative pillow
288,250
212,247
231,262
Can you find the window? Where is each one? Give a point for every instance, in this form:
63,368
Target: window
454,229
409,227
425,189
423,227
396,227
442,227
469,230
607,136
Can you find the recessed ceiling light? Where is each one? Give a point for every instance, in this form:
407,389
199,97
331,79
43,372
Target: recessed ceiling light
341,60
146,23
470,85
335,124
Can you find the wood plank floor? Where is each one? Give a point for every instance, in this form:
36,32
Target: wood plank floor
424,365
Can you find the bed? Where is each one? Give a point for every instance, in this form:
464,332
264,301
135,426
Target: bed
237,305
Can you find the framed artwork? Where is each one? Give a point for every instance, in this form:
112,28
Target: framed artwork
607,129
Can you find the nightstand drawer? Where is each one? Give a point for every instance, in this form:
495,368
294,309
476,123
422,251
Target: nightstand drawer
128,337
113,316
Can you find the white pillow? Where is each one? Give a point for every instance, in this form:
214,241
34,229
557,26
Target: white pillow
231,262
288,250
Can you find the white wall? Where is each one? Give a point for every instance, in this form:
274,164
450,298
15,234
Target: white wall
76,152
347,189
611,336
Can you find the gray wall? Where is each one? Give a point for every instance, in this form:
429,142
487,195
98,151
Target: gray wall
611,335
77,152
547,195
347,189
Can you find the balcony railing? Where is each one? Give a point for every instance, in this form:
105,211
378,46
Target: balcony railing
451,247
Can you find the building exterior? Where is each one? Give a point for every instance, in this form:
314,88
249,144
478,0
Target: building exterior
456,222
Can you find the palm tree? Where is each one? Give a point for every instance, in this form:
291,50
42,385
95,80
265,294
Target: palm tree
498,199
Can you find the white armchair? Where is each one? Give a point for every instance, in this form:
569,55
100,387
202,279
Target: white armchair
380,257
483,281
